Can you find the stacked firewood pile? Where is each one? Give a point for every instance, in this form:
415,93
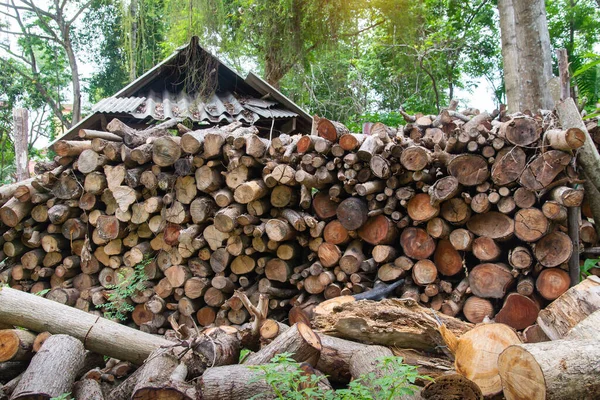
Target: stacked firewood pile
469,209
466,361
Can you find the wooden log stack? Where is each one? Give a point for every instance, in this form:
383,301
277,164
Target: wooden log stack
470,210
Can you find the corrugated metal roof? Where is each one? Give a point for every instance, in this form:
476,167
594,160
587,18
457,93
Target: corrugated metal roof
218,108
137,100
118,105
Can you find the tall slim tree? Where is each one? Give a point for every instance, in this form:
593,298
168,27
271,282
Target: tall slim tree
527,54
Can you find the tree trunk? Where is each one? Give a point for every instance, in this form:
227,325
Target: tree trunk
20,138
100,335
475,353
390,322
562,369
527,55
52,370
570,308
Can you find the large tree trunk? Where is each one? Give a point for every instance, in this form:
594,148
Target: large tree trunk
551,370
527,54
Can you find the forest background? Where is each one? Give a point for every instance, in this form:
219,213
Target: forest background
353,60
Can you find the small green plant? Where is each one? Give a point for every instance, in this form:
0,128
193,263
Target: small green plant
243,354
64,396
42,293
290,382
587,267
118,306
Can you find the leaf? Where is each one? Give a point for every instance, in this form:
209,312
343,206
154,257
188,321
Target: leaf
42,292
586,67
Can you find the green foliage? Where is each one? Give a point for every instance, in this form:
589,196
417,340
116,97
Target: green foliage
42,293
243,354
118,306
290,382
573,25
392,119
587,267
64,396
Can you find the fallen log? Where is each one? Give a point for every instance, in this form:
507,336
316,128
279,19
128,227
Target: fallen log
572,307
562,369
98,334
52,370
390,322
452,387
300,340
476,352
367,365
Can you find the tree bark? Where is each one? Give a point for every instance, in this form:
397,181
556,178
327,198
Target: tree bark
20,139
52,370
100,335
562,369
527,55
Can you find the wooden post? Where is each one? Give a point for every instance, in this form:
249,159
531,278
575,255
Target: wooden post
20,136
574,213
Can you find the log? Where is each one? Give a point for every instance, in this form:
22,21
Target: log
331,130
553,249
552,282
521,131
420,209
16,345
447,259
570,308
367,366
300,340
490,280
234,382
390,322
493,225
476,352
553,370
518,311
88,389
476,309
530,224
352,213
451,387
378,230
508,166
469,169
52,370
100,335
586,329
416,243
540,172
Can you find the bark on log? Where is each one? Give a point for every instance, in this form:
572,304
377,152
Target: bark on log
299,340
100,335
552,370
570,308
390,322
52,370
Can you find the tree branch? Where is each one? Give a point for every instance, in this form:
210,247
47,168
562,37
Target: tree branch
28,34
78,13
